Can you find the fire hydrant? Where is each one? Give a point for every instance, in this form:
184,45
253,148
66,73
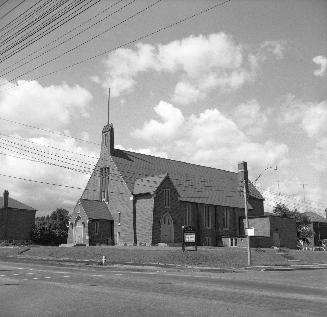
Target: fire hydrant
104,260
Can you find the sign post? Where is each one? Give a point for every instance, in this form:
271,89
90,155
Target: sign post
188,238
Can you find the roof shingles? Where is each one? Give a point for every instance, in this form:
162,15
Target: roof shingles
193,182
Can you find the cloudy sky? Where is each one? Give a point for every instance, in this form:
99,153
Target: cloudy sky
245,80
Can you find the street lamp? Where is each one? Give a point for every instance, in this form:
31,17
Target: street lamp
267,168
245,194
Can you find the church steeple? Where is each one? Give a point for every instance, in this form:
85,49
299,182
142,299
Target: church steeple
108,142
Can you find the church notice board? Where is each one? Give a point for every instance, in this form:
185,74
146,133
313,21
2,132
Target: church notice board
189,239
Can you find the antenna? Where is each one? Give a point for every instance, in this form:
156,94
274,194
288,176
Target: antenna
108,106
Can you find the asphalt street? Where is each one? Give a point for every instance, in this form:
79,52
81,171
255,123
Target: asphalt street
29,289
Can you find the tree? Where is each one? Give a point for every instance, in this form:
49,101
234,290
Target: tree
53,229
302,221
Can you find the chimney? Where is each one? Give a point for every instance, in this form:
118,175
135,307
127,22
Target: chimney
243,175
5,198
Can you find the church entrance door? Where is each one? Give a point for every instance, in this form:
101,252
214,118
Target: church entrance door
167,229
79,232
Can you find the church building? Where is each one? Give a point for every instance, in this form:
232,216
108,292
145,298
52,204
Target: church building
137,199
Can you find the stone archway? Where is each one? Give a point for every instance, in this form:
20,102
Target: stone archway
167,229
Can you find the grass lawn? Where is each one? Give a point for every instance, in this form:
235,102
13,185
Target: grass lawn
213,257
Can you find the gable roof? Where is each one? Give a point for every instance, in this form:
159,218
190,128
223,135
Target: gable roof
15,204
148,184
95,209
193,183
313,217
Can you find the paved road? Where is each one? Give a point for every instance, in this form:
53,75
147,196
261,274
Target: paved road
28,289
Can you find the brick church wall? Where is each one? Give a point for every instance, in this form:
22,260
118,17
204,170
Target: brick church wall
144,219
175,210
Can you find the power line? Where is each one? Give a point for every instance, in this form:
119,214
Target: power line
49,146
12,9
44,162
89,40
58,38
24,16
53,27
46,154
41,182
134,41
46,23
4,3
47,130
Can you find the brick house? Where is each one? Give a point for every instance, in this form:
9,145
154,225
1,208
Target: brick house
149,199
318,227
16,219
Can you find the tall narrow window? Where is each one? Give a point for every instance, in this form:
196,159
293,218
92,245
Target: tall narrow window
166,198
207,217
226,218
188,214
96,227
104,183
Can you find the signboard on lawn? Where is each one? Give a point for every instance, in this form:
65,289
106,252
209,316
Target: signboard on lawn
189,238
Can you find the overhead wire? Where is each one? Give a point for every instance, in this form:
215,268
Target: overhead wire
24,16
147,35
49,146
89,40
47,130
45,162
45,152
42,182
55,40
36,29
12,9
4,3
90,4
46,155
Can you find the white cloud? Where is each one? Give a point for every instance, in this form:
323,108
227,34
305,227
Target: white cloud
49,107
154,130
249,117
275,47
124,64
322,62
319,155
200,63
315,119
212,139
311,117
185,93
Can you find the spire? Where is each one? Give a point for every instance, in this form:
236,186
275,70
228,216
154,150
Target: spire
108,106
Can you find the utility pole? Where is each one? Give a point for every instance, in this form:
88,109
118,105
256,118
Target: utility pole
243,183
247,221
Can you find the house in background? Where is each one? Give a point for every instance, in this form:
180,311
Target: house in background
148,199
318,226
16,219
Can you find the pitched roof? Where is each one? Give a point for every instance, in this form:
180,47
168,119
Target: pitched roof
15,204
194,183
148,184
313,217
95,209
